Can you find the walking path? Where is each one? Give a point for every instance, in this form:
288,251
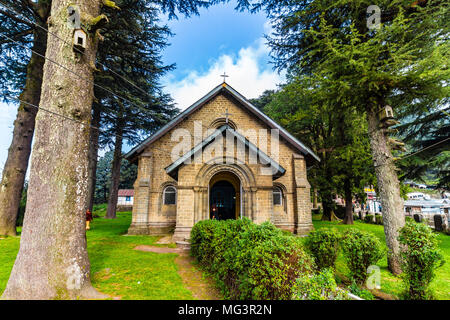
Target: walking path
201,286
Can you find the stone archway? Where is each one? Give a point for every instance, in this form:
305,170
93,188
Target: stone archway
224,196
247,188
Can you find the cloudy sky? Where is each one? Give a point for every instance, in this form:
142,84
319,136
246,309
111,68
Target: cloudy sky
219,40
203,47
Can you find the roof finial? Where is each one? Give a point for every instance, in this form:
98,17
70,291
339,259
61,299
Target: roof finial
224,76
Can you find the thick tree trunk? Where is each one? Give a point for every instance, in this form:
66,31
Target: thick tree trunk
389,189
115,173
52,262
93,154
348,217
15,169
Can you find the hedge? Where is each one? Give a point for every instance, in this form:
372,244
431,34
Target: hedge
361,249
250,261
323,245
420,259
369,218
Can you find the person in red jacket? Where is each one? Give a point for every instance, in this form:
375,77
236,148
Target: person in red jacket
88,219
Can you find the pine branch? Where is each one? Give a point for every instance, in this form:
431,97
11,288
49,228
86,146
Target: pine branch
18,35
16,18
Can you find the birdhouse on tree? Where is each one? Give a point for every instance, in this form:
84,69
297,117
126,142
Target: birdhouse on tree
385,113
79,40
386,117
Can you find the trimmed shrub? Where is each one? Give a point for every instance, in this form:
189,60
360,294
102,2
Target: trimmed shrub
355,217
368,218
250,261
323,244
321,286
361,250
379,219
420,258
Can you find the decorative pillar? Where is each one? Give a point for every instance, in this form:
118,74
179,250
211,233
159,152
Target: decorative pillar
185,213
205,199
142,188
303,217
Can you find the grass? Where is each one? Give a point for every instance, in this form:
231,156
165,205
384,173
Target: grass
120,271
117,269
391,284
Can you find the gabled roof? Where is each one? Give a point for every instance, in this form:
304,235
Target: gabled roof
172,170
125,192
223,88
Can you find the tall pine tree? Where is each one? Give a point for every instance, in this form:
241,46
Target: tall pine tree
21,77
402,61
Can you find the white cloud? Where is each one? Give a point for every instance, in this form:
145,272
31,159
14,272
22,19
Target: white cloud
249,73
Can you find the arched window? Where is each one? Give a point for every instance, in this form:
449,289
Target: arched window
277,196
217,123
170,195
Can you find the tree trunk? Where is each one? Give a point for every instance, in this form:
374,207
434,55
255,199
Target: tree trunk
52,262
314,198
348,217
16,165
93,154
328,213
115,173
389,189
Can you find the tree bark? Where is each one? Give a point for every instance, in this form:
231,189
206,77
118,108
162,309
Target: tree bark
52,262
348,217
314,198
93,155
15,169
115,172
388,187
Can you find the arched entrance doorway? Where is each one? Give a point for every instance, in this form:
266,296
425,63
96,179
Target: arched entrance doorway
224,196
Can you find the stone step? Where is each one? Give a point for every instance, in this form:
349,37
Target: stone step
183,245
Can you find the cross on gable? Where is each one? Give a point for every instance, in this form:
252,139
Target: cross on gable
224,76
226,114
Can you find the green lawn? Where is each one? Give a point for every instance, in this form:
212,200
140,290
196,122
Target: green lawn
120,271
391,284
116,268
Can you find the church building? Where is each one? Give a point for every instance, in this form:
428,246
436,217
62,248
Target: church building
221,158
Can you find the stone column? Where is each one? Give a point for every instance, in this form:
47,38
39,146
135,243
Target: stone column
303,217
142,188
197,205
185,213
205,199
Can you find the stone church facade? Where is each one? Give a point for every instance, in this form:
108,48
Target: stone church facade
211,180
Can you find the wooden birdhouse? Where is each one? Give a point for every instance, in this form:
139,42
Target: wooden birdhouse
386,113
79,40
386,117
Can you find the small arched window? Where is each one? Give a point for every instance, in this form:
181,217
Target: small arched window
170,195
277,196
